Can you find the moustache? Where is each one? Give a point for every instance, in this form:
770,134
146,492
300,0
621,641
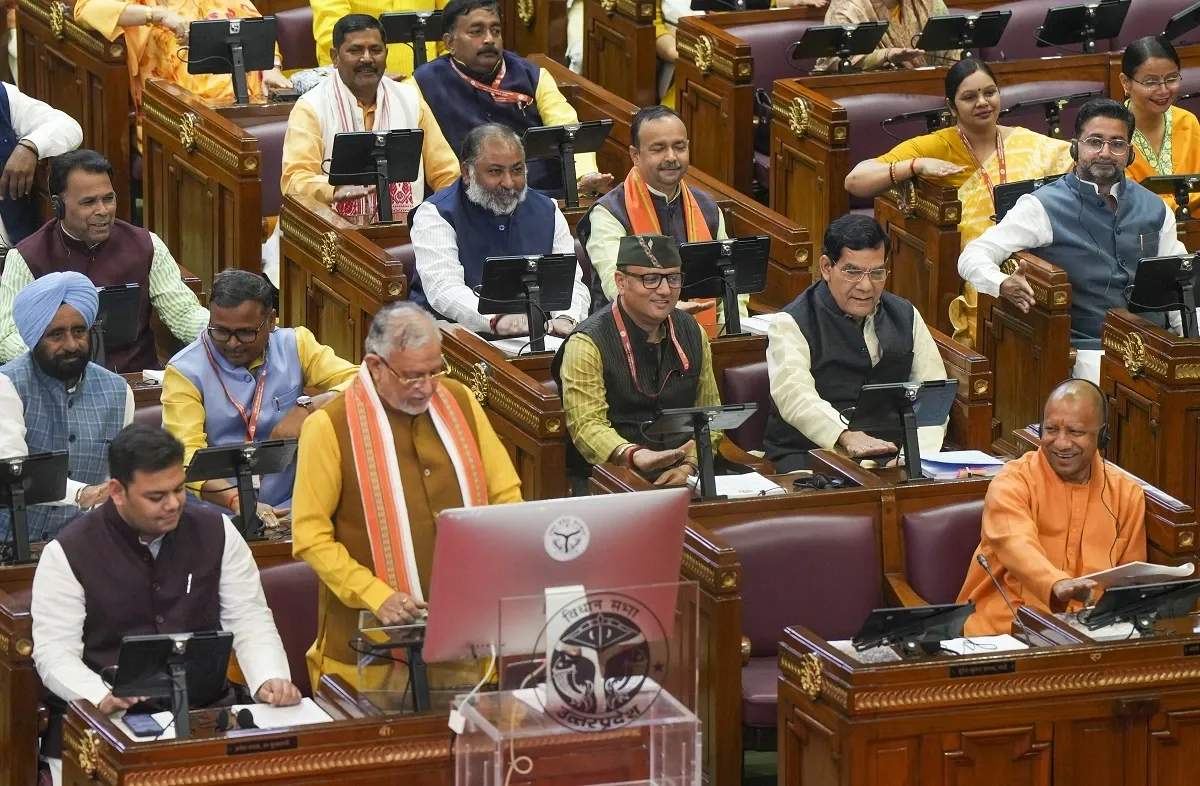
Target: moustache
489,50
366,69
671,165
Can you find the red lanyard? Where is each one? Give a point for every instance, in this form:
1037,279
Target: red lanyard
629,351
260,387
500,96
987,180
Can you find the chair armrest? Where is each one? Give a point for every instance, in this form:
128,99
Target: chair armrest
745,650
899,593
732,453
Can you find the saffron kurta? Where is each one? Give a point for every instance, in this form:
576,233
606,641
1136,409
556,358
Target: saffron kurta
1039,529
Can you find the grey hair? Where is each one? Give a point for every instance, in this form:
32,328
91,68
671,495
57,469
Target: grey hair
399,326
487,132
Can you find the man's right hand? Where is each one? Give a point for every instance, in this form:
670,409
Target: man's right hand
1016,289
342,193
1066,590
92,496
650,460
400,609
110,703
695,306
270,516
860,444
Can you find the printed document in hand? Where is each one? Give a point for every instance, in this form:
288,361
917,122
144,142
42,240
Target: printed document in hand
1135,573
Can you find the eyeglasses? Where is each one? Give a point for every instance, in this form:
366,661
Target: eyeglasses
1095,144
417,379
854,275
654,280
1153,83
222,335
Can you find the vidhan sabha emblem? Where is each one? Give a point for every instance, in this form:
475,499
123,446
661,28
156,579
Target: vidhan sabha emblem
566,538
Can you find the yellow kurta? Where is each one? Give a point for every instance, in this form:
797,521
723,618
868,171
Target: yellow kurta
326,13
1038,529
326,503
1027,155
1178,155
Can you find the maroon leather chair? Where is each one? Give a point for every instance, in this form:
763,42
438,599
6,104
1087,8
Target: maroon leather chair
294,30
270,141
771,47
405,256
291,591
1148,17
748,384
149,416
938,546
869,140
819,571
1018,41
1189,96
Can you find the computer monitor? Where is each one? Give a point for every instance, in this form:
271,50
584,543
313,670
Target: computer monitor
904,407
1163,284
1084,23
232,46
914,629
25,481
187,668
1007,194
967,33
840,41
486,554
535,285
725,269
1141,605
415,28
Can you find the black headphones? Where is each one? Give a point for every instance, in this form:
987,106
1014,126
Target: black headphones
1103,436
818,482
1075,154
60,209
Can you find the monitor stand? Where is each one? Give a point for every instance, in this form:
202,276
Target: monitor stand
533,305
179,696
912,447
418,672
240,92
19,525
96,336
383,190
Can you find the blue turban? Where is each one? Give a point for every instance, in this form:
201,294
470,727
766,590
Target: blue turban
36,304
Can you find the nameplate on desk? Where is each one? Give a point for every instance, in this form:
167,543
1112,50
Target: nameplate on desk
1191,649
983,669
261,746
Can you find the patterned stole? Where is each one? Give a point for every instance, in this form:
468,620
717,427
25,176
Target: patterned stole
401,194
379,476
644,220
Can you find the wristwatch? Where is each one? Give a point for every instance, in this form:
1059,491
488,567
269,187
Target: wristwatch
305,401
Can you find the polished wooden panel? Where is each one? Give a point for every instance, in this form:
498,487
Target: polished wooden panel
618,50
536,26
714,80
202,176
1030,353
78,71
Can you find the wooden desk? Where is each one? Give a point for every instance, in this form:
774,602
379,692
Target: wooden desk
77,70
536,26
203,178
1116,713
618,48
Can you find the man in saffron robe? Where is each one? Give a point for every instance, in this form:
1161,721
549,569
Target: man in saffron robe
431,447
1054,516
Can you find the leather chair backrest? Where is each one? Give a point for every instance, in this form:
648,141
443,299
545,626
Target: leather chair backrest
404,254
294,30
819,571
1191,85
270,141
771,47
1018,41
1148,17
149,416
867,137
1034,118
291,592
749,384
938,545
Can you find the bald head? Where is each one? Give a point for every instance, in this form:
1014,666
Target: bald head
1071,424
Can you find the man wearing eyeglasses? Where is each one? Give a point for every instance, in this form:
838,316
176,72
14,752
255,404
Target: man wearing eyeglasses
375,468
629,361
1094,223
844,332
244,380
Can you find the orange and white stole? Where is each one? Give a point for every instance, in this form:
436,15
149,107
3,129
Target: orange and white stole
379,475
639,205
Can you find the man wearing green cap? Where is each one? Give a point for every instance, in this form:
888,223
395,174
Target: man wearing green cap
630,360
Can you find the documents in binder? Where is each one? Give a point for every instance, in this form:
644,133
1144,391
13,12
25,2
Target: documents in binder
953,464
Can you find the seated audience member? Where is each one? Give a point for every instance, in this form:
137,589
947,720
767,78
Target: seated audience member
488,212
1167,138
359,98
906,19
1094,223
479,81
844,332
973,156
52,398
1055,515
361,492
326,14
154,35
127,568
653,200
631,360
245,381
86,236
30,131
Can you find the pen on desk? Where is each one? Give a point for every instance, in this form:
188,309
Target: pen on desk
189,585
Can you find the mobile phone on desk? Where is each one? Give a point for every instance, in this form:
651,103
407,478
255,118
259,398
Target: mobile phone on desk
284,96
143,725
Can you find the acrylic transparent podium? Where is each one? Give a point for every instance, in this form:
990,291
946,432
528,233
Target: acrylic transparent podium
596,687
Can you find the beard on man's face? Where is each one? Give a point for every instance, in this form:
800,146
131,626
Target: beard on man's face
64,365
501,201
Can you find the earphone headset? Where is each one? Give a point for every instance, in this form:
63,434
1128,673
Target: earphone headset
60,209
1075,153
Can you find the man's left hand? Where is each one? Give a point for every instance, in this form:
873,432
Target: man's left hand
289,425
560,326
19,172
676,476
594,182
279,693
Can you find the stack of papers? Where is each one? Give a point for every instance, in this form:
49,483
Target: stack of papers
752,484
1134,573
952,464
758,323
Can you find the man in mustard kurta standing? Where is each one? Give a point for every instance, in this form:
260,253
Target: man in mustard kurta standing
375,468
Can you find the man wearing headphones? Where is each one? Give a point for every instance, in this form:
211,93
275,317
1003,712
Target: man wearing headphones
1054,516
86,237
1094,223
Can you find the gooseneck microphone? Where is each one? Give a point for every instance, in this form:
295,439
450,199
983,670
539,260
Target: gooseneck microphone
982,560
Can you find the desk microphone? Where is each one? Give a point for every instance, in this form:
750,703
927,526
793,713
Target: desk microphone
982,560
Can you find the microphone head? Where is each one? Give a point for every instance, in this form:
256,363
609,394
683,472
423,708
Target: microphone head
222,723
982,560
245,719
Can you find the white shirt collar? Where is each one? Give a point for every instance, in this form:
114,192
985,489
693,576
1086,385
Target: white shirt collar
655,191
1114,192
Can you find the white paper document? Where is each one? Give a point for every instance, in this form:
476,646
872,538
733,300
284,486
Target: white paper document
268,717
956,463
1140,573
983,645
758,323
752,484
519,345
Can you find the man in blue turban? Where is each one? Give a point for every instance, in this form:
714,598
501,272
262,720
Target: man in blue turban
53,398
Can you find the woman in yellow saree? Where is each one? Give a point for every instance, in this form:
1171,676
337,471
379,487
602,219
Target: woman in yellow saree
974,155
1167,139
155,32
